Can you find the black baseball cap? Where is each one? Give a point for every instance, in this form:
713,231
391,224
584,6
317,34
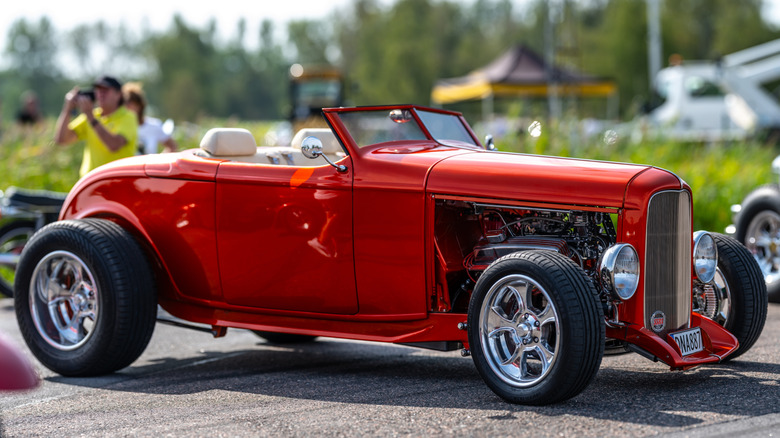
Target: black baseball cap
107,82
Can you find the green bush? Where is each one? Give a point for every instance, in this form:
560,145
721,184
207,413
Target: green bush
30,159
720,174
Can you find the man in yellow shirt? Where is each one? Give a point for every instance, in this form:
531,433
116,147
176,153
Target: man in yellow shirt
110,130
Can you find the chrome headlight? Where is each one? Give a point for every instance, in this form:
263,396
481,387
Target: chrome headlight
705,256
619,270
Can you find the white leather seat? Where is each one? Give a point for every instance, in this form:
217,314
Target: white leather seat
238,144
228,142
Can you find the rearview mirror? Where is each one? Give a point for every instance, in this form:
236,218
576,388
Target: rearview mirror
311,147
489,144
400,116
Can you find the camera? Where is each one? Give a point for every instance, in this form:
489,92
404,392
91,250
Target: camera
88,93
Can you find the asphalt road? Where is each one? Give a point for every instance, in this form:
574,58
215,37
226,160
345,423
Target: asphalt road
189,384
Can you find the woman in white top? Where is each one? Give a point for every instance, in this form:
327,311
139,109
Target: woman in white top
150,129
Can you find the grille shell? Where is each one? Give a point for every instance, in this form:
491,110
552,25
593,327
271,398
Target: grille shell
667,270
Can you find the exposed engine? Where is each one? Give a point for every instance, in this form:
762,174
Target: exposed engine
485,232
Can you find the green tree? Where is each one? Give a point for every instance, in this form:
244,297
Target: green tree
185,75
31,51
616,46
272,68
708,29
311,40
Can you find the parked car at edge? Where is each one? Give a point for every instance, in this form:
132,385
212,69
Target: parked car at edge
757,226
393,225
22,213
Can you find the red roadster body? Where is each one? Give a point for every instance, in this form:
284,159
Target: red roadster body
394,225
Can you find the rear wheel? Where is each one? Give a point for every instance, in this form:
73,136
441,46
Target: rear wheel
535,329
13,236
84,297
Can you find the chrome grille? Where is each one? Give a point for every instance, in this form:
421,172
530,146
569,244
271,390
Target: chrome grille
668,259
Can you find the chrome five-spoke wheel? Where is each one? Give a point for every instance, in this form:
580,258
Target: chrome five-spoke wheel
85,297
519,329
536,332
63,300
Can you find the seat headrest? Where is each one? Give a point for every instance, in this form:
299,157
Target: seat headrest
330,144
228,142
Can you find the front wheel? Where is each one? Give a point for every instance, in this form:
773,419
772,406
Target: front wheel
535,329
740,284
84,297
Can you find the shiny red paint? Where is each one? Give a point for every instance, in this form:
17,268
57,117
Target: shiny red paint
269,231
718,343
634,225
311,250
534,179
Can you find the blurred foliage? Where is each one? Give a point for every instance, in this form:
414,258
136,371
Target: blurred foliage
390,52
29,158
720,174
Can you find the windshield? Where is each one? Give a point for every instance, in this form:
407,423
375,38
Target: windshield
445,128
370,127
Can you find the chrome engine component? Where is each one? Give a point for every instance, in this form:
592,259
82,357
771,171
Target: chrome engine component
581,236
713,299
706,301
477,234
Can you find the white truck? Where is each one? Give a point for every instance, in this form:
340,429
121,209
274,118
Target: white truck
721,100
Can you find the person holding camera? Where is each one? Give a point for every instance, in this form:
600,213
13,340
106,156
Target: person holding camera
109,130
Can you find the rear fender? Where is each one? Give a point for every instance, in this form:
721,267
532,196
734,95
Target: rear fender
120,214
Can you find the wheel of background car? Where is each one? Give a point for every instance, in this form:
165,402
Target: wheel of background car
747,290
13,236
85,297
284,338
758,228
535,329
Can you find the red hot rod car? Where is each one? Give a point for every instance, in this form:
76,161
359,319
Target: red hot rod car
394,225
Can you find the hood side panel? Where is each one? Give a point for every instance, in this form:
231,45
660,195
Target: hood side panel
534,178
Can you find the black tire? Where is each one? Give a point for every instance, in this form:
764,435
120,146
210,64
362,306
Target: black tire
760,216
572,343
85,297
284,338
13,237
746,291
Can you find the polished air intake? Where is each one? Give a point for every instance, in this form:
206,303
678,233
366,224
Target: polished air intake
668,262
